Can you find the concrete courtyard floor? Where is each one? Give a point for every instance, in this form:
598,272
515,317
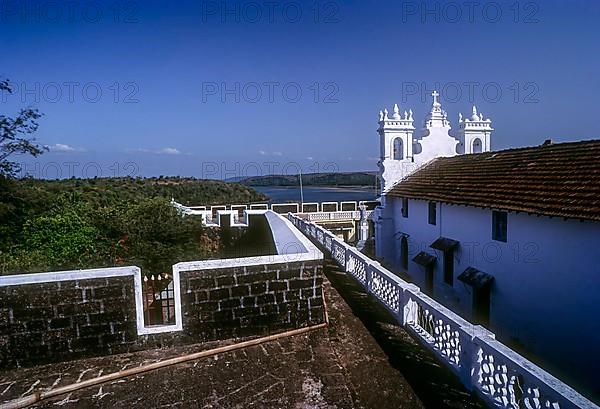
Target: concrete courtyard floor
363,360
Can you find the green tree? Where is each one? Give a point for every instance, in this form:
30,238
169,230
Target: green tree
157,236
15,135
64,239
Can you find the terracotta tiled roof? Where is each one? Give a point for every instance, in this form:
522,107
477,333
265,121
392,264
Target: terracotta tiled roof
560,180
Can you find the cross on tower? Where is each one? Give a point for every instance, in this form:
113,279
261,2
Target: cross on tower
435,96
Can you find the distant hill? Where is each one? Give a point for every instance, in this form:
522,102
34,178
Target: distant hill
313,179
101,192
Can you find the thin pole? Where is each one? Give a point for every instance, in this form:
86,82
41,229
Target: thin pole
301,191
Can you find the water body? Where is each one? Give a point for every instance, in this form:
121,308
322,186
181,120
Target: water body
317,194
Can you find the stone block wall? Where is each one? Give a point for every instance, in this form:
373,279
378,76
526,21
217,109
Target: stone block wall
254,300
62,320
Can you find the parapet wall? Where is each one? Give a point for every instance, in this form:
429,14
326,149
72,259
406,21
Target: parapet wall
51,317
59,320
254,300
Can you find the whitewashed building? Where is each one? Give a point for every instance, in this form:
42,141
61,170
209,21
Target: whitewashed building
508,239
402,151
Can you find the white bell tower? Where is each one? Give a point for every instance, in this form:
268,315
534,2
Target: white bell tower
401,151
396,147
435,140
474,133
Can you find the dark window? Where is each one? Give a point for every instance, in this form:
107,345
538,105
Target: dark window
449,267
398,149
499,225
432,213
404,207
404,253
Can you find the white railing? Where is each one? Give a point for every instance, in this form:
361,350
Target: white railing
337,216
211,215
324,207
498,374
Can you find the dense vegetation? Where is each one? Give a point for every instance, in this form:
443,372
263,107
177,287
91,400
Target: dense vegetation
314,179
83,223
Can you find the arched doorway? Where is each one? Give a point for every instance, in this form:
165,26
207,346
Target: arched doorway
477,147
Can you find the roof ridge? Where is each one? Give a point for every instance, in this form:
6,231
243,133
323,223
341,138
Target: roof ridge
556,180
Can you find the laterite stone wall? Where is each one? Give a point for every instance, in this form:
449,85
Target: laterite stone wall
54,321
256,300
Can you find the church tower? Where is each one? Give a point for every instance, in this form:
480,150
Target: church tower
474,133
396,146
401,151
435,140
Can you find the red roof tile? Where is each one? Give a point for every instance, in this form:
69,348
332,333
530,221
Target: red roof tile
560,180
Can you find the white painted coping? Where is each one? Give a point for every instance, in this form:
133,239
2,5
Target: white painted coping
337,206
95,273
275,206
309,204
283,231
353,204
285,236
259,206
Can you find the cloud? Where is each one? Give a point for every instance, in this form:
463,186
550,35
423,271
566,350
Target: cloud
61,147
163,151
265,153
310,158
169,151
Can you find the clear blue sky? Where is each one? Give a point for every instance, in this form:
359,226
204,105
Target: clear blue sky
173,62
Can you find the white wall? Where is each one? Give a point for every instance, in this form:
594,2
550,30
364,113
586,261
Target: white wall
545,296
385,242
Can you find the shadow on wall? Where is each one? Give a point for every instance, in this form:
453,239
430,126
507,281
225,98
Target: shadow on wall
255,240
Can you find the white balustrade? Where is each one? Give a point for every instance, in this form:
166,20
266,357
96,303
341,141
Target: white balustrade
328,243
320,236
356,265
339,252
386,289
498,374
509,380
436,325
327,216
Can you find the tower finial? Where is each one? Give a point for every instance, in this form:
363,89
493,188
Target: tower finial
380,115
396,111
435,96
385,114
474,117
